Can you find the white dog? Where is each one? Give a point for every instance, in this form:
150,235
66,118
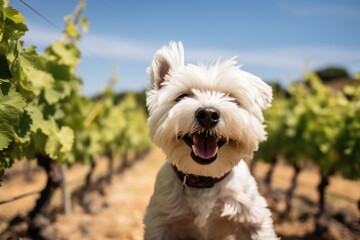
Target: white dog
206,119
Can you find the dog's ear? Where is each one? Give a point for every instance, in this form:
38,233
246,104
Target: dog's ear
167,60
263,96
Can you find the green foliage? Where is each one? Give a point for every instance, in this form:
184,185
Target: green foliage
11,108
76,20
12,102
42,111
316,124
275,125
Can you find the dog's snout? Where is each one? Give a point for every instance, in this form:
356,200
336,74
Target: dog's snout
208,117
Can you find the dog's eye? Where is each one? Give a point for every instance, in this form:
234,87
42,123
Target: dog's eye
179,98
235,101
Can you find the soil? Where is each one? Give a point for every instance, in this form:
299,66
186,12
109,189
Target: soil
116,210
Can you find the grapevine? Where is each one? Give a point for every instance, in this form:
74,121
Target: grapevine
319,125
43,114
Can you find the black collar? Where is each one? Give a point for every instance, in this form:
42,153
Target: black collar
197,181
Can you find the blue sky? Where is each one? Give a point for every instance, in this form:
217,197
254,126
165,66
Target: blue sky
276,40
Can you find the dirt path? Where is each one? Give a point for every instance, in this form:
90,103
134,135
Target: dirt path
120,214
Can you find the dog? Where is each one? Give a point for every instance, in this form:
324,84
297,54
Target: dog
207,119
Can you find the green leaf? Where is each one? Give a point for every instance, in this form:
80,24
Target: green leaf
14,15
11,104
67,19
40,80
11,108
59,90
58,71
2,4
37,118
67,53
71,31
24,64
84,24
23,129
5,136
29,59
13,27
60,143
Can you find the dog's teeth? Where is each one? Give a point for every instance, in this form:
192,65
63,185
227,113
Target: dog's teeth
194,150
195,140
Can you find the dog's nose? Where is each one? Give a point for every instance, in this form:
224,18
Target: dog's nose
208,117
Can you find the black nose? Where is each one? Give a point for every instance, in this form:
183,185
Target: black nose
208,117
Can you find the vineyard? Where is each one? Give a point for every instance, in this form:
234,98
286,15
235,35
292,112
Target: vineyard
48,128
314,125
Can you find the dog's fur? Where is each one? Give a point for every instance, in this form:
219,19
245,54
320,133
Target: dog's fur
233,207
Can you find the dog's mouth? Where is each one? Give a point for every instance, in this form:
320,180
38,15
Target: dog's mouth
204,146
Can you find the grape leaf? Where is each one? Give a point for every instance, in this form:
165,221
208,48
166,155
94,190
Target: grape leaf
11,104
59,90
60,143
11,108
84,24
37,118
71,30
40,80
13,15
67,54
14,26
5,135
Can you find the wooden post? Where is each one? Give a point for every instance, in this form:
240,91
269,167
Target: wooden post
65,190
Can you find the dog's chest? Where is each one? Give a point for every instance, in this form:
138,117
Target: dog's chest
204,218
205,207
203,202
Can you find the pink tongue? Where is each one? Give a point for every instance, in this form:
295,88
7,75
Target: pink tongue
205,146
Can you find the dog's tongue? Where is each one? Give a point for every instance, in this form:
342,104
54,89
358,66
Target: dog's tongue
205,146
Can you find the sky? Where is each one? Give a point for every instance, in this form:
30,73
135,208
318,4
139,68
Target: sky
276,40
